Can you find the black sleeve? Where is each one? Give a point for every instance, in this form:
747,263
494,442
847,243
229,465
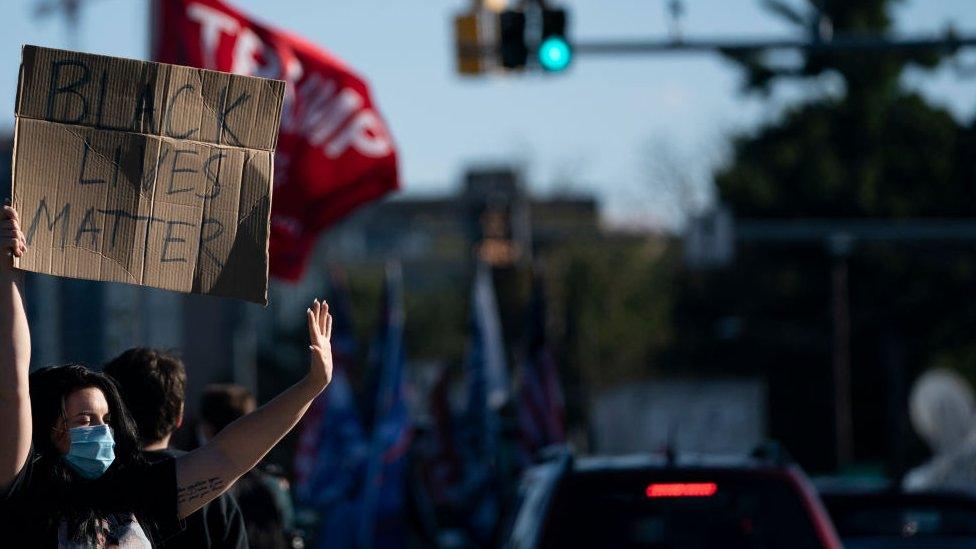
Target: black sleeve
225,520
23,513
153,489
12,493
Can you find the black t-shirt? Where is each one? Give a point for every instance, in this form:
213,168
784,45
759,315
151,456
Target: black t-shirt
139,501
218,524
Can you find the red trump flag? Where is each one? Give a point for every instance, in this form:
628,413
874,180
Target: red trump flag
334,150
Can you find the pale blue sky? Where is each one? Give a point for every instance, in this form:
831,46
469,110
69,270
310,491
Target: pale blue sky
607,126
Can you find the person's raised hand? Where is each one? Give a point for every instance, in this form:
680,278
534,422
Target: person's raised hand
320,344
12,241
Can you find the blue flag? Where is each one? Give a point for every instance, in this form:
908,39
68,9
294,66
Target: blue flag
488,391
383,518
330,460
541,411
487,369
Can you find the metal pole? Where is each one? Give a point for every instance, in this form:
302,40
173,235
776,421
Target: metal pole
845,44
839,44
843,425
152,20
72,19
892,355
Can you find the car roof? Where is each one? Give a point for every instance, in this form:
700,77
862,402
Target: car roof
595,464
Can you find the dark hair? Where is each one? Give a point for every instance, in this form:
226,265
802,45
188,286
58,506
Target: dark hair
153,386
264,517
222,403
67,495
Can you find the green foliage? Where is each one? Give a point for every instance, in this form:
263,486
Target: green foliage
435,325
826,159
615,300
878,151
868,75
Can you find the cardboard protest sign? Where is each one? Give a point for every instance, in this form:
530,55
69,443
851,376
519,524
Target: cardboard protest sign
145,173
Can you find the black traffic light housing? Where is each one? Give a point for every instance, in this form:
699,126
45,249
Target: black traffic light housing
542,33
553,23
512,50
554,52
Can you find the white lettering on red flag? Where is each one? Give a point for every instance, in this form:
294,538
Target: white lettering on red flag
334,152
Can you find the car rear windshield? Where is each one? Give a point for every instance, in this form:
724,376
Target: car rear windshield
728,509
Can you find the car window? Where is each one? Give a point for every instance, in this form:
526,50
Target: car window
721,510
530,505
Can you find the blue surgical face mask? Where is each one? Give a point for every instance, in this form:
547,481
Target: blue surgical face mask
92,450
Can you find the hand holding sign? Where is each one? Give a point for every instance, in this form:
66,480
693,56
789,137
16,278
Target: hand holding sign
11,237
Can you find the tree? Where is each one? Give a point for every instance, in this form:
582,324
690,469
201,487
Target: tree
879,150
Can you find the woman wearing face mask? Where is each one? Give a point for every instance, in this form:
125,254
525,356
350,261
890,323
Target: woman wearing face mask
70,470
90,433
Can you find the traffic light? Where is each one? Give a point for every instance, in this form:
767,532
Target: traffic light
467,35
531,35
512,50
554,53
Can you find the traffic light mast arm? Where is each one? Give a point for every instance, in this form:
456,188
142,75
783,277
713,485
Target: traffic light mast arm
842,43
533,34
837,44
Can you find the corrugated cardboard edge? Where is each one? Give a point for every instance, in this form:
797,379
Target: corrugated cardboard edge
20,79
281,107
267,225
13,156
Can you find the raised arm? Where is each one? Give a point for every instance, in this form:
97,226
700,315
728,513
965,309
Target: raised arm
208,471
15,349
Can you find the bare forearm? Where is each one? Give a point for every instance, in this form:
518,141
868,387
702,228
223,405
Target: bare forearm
15,346
208,471
246,441
15,349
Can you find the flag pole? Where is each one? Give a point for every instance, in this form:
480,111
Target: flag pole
152,32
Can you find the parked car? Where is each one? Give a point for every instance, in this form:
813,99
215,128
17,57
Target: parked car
866,519
661,502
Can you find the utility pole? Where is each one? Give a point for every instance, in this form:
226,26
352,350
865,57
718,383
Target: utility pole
676,10
839,246
152,31
70,9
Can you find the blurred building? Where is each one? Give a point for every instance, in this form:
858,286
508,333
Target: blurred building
492,211
436,238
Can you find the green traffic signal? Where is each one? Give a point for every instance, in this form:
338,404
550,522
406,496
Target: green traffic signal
555,54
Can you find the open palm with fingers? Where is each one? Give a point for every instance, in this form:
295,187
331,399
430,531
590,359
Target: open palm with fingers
320,343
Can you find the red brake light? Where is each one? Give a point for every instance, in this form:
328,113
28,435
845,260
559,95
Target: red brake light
681,490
